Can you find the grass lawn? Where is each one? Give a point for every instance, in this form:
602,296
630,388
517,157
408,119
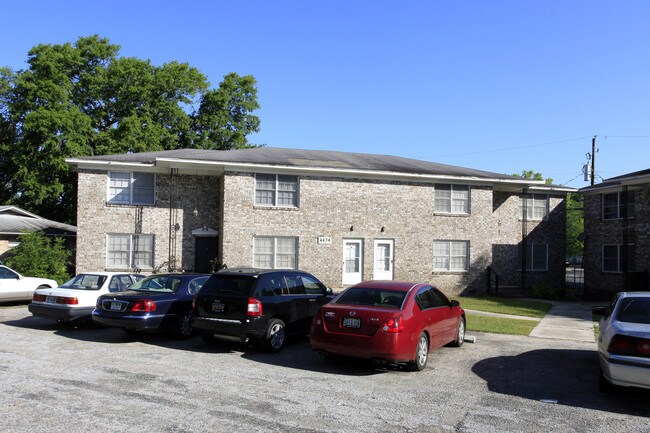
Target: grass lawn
517,307
499,325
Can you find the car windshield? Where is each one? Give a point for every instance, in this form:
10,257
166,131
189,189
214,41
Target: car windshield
634,310
85,282
158,283
372,297
228,284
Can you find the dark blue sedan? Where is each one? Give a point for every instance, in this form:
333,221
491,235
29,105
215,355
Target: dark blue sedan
162,301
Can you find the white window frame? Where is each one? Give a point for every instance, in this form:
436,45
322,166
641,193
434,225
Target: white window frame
276,256
131,259
279,179
531,249
619,206
132,176
533,201
449,201
619,259
450,256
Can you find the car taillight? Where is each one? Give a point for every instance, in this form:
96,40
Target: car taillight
194,303
317,319
254,307
67,301
395,324
629,346
144,305
38,298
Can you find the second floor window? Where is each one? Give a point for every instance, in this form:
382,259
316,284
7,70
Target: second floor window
131,188
451,199
276,190
618,205
534,206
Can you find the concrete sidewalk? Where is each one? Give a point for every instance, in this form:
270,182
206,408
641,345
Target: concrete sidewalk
565,320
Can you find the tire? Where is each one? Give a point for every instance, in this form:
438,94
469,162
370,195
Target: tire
460,333
421,353
183,326
275,336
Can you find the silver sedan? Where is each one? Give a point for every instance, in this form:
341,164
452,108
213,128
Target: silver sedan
624,341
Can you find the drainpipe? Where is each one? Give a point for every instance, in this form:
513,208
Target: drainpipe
524,238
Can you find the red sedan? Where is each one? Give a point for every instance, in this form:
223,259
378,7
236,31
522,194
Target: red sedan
388,321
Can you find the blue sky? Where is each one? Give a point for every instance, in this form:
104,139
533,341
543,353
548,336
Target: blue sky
502,86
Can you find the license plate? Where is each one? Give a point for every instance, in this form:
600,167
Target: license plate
351,322
218,307
50,300
116,306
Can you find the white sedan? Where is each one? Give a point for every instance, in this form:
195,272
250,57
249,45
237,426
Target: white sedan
624,341
15,287
75,299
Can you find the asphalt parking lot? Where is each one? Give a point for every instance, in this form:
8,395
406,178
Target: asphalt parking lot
64,379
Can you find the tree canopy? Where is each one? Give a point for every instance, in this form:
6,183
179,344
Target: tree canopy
83,99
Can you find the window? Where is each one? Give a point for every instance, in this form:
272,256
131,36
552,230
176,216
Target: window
615,205
129,251
537,257
276,190
131,188
450,255
534,206
615,259
451,199
275,252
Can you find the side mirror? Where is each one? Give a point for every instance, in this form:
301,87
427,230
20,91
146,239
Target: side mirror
600,311
454,303
329,291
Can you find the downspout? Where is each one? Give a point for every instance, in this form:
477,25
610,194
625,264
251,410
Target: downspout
626,226
172,234
524,238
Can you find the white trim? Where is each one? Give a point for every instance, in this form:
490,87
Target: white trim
381,275
352,277
205,232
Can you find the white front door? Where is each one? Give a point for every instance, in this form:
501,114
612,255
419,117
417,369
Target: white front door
352,261
383,259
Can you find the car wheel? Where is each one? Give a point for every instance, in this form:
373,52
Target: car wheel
421,353
183,326
460,333
275,336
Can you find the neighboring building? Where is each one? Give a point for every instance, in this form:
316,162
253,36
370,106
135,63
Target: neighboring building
15,221
345,217
617,235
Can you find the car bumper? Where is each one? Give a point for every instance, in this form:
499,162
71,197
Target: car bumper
57,312
137,323
230,329
626,370
399,347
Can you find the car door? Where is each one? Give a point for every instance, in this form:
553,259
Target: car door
296,304
446,316
427,316
316,292
10,287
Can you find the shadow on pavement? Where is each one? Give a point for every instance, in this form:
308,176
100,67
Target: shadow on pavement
567,377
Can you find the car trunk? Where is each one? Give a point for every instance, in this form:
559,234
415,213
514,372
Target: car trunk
355,319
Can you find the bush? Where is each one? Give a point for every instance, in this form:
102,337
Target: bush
544,291
40,256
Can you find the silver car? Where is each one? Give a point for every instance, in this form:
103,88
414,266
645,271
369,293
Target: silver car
624,341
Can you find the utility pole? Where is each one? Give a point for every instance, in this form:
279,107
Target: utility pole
593,159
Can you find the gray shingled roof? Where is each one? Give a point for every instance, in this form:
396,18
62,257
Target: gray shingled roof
14,220
306,159
637,177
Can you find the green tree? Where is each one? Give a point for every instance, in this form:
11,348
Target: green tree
41,256
534,175
83,99
575,225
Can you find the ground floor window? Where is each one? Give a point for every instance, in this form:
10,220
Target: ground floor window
129,251
450,255
537,257
275,252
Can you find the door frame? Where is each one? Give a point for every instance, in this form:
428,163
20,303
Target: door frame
391,271
350,278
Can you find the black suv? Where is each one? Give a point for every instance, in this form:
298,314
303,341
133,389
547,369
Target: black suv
259,305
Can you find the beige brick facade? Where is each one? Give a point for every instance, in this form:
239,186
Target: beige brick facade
337,208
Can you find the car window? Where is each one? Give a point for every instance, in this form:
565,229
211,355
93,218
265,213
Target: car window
120,283
195,285
634,310
371,296
439,300
424,299
228,284
272,285
294,285
158,283
7,274
312,285
85,282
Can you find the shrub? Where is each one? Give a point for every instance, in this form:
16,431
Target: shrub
544,291
40,256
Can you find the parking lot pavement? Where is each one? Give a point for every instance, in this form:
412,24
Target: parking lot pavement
64,379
